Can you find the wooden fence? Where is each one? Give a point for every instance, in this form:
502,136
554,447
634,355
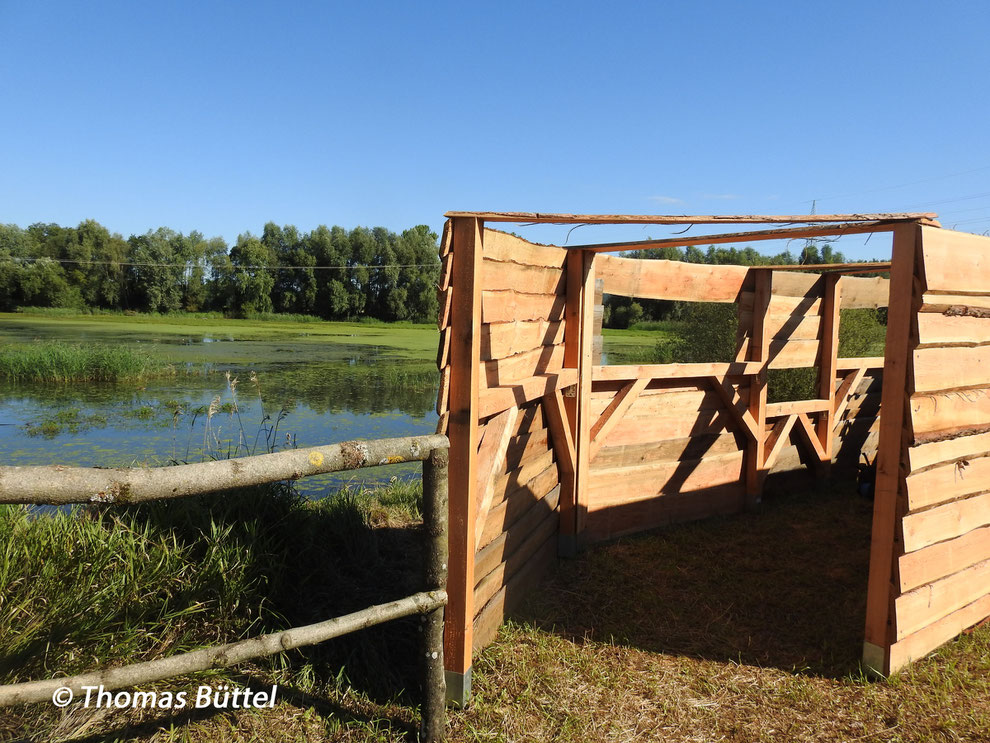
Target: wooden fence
551,450
65,485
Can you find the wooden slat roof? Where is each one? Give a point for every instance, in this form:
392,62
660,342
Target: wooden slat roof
546,218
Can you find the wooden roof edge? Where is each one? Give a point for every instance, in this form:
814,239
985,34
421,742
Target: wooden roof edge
546,218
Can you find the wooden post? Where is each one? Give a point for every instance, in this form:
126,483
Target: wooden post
759,350
583,272
829,355
435,525
574,269
465,357
890,450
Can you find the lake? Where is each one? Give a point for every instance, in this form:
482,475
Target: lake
240,387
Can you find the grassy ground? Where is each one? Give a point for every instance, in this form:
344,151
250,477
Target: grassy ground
738,629
182,337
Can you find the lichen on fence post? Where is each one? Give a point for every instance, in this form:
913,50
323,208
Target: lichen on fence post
435,574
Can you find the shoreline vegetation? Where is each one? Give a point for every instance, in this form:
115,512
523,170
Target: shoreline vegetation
57,362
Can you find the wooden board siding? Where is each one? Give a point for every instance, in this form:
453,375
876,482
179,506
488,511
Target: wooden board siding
940,582
689,282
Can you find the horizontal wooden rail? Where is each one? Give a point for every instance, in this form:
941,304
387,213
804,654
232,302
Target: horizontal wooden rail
627,372
80,484
863,362
543,217
222,656
780,233
58,485
797,406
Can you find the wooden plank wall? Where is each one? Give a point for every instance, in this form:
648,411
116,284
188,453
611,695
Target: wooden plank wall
523,298
940,572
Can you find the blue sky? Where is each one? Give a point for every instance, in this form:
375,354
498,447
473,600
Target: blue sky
222,116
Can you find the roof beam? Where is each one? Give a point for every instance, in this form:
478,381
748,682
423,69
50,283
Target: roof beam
544,218
780,233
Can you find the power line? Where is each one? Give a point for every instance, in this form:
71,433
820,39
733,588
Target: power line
909,183
18,259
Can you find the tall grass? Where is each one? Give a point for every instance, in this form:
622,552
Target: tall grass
57,362
94,586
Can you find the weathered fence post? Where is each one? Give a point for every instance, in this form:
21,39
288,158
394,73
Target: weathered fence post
435,526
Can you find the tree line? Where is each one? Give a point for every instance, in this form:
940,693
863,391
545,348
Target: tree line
330,272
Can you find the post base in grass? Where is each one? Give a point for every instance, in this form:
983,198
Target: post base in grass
567,545
458,688
874,660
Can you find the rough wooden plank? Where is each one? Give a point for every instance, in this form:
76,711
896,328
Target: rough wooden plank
944,558
561,432
949,411
443,394
506,248
828,361
654,404
951,450
794,284
737,407
974,305
503,515
524,447
947,482
860,292
781,304
793,354
496,399
929,603
498,276
862,362
691,447
583,269
955,261
775,409
508,542
494,612
492,582
659,279
612,414
938,329
513,306
806,430
529,469
443,349
921,643
491,457
464,438
515,369
673,371
842,396
949,368
445,300
777,439
779,233
791,327
945,522
759,349
500,340
608,487
547,218
895,374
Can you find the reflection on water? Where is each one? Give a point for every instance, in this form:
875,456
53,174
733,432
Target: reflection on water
275,404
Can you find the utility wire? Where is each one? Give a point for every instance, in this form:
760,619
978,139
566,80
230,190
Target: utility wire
18,259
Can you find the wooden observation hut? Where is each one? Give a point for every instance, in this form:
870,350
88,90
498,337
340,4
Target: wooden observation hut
551,450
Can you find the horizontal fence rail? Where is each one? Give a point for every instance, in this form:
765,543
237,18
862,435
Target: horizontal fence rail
57,485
